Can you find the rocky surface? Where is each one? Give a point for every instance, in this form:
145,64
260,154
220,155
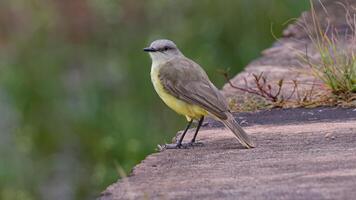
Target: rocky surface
288,57
300,154
292,161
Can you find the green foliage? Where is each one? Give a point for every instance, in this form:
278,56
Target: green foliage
337,64
76,101
340,73
337,68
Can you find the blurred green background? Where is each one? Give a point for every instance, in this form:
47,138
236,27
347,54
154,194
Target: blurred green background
76,101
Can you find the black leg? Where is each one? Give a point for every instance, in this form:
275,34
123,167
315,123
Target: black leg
198,127
179,144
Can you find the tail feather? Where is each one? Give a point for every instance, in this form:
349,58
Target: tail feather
240,134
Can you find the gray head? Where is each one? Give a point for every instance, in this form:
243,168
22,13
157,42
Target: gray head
161,50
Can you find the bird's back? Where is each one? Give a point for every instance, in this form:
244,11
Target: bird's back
188,82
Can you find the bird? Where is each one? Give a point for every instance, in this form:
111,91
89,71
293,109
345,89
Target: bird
185,87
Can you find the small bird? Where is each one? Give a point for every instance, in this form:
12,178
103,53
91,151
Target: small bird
185,87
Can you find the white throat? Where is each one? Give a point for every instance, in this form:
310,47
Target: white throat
159,58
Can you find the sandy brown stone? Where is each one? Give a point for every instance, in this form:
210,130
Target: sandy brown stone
293,161
286,59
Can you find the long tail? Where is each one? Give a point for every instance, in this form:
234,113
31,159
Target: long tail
240,134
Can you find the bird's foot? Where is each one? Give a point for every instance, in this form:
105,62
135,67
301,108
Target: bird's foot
180,145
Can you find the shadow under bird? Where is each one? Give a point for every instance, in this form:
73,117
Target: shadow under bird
185,87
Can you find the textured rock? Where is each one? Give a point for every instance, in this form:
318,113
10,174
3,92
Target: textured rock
286,58
291,161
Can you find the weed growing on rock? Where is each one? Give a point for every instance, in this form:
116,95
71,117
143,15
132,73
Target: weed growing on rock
336,64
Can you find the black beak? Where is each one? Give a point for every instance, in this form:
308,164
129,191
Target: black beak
149,49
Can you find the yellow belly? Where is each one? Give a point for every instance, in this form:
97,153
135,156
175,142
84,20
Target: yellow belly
188,110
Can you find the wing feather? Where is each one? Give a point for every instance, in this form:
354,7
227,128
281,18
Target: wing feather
187,81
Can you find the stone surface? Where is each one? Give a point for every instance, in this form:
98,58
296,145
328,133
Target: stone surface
292,161
286,59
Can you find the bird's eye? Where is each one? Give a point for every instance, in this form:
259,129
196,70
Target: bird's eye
166,48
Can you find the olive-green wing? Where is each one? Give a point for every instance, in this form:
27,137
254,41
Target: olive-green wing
187,81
